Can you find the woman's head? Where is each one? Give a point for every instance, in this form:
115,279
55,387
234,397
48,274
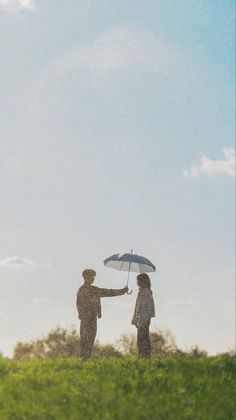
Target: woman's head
143,281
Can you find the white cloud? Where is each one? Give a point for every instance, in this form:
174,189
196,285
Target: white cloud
22,263
212,168
16,262
122,49
14,6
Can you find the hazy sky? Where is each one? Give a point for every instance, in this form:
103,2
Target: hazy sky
117,132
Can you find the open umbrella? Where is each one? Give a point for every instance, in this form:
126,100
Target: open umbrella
130,263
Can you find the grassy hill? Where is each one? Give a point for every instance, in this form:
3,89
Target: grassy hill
165,389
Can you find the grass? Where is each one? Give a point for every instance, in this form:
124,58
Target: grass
129,389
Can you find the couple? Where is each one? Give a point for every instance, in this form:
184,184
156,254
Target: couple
89,309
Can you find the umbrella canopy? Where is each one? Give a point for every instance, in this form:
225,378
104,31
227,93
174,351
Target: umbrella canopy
130,262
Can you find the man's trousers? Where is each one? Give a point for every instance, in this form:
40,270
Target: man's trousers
88,331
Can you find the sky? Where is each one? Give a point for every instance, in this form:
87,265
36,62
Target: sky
117,132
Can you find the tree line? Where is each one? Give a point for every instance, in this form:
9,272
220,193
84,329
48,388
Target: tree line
61,342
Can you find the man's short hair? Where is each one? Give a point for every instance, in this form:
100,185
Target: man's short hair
88,273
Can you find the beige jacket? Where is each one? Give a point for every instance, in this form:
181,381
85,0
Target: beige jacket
144,308
88,300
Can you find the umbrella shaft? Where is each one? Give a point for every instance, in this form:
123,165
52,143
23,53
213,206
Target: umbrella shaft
129,269
128,277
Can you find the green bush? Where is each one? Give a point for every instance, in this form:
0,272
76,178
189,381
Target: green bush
60,342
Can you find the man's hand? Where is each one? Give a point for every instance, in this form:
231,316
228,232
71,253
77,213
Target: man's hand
125,289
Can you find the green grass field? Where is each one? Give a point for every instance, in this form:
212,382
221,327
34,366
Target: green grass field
168,388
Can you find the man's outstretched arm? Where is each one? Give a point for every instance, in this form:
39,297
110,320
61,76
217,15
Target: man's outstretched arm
110,292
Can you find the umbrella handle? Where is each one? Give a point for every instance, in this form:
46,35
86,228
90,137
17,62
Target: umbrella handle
129,293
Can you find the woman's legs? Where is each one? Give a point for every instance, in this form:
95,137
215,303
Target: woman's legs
143,341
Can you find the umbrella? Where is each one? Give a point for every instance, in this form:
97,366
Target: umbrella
130,262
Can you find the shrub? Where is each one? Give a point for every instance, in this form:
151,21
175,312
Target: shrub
59,342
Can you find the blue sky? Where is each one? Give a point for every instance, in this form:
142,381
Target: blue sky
117,132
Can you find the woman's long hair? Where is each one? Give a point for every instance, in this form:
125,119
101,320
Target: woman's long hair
144,280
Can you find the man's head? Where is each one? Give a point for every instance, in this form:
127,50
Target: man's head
143,281
89,276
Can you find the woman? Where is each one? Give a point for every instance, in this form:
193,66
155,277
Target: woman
144,311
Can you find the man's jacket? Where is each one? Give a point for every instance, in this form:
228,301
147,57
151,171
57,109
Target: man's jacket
88,300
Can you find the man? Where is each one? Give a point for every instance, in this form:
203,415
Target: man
89,309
